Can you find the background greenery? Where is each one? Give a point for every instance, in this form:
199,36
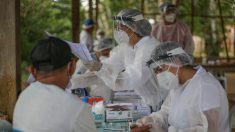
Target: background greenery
54,16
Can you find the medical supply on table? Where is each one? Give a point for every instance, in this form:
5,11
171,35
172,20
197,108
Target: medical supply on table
91,100
98,112
120,112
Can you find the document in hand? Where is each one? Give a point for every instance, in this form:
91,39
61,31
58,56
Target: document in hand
80,50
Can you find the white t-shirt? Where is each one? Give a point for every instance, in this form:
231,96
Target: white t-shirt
48,108
86,38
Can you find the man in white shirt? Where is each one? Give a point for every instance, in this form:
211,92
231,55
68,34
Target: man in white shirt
86,34
44,106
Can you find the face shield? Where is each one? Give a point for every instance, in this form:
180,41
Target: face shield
130,22
103,47
103,44
163,58
124,28
169,12
170,58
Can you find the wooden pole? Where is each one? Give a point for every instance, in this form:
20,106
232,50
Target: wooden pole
9,55
97,13
142,5
75,20
192,16
222,26
90,9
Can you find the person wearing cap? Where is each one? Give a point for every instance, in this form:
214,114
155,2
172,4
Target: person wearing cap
126,68
98,88
171,28
86,34
196,103
45,106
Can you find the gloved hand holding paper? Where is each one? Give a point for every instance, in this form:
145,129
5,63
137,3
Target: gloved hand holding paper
93,65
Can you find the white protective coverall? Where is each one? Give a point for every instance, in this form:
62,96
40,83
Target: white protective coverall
126,69
177,32
98,87
48,108
201,106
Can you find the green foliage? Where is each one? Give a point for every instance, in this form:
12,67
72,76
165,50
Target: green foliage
38,16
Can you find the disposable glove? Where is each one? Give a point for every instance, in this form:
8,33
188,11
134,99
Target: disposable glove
92,65
85,80
147,120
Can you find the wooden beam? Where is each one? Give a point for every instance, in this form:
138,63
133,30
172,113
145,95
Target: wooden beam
222,26
75,20
9,55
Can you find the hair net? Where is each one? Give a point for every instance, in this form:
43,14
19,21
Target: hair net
134,20
165,6
169,53
100,31
103,44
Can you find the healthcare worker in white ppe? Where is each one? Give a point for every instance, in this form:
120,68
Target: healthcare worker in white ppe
196,102
98,87
102,51
126,68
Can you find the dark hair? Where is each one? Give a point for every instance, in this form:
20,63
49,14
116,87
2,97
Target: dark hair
50,54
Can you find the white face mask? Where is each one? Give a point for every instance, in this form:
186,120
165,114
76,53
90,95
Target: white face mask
69,85
99,37
167,80
170,17
120,36
31,79
102,58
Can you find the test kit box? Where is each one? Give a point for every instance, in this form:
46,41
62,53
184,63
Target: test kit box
119,112
118,115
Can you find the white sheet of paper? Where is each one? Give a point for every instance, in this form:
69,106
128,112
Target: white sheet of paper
31,79
80,50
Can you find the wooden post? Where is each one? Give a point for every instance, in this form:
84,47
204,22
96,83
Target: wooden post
222,26
142,5
192,16
90,9
9,55
75,20
97,13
